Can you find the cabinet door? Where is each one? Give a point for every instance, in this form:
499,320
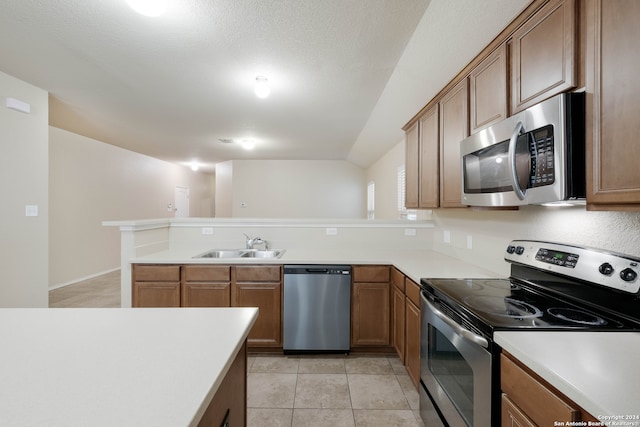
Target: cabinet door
206,295
454,127
512,416
155,285
370,314
412,349
411,167
429,187
261,286
399,322
543,55
206,286
613,147
488,90
156,294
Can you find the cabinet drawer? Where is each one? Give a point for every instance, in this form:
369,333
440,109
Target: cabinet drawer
513,416
397,278
412,291
156,273
258,273
207,273
541,404
371,273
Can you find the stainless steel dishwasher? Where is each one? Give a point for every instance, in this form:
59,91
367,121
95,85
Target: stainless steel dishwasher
317,308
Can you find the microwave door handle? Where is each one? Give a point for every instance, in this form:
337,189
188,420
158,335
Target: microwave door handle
475,338
512,160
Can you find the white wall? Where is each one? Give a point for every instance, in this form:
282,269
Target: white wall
23,173
292,189
91,182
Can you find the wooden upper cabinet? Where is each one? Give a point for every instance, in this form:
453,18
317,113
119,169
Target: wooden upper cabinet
488,90
412,166
422,168
543,55
613,147
454,127
429,160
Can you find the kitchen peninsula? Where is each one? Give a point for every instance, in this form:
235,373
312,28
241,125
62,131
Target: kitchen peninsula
406,245
113,367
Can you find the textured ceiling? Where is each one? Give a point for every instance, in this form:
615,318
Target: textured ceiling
172,86
344,74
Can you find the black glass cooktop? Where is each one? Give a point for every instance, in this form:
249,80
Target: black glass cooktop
502,304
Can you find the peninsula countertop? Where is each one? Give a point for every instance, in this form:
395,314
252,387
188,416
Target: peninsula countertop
416,264
115,367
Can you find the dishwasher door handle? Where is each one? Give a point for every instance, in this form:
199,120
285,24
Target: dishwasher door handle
316,270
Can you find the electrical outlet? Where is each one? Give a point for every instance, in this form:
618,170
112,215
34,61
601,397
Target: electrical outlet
469,241
446,236
207,231
409,231
331,231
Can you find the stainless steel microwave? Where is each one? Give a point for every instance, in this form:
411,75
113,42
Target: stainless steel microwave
533,157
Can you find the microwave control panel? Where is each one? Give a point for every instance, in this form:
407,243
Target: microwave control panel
542,157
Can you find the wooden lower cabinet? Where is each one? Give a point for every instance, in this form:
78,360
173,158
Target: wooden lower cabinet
229,404
528,400
371,306
412,327
155,285
399,322
512,416
206,286
261,286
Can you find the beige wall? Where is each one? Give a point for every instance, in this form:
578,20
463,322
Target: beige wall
384,174
291,189
23,173
91,182
488,232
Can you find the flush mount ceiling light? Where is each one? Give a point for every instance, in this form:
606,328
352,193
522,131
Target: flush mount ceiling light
248,144
262,89
195,166
149,7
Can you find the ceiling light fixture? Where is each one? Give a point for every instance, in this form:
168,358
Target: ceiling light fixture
248,144
151,8
262,89
194,166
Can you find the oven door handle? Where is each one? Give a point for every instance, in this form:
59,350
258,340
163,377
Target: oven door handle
465,333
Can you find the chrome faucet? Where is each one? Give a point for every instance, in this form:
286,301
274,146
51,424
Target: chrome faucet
252,242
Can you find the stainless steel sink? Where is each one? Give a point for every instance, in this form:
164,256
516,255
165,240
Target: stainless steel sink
242,253
263,253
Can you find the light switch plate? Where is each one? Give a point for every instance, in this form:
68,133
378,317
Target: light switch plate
207,231
31,210
409,231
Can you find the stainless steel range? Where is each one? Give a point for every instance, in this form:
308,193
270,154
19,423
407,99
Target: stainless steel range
552,287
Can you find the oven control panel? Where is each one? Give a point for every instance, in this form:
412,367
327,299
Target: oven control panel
610,269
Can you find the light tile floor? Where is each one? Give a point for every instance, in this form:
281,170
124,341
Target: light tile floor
318,391
297,391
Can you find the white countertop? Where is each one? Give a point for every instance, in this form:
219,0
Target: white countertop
115,367
414,263
600,371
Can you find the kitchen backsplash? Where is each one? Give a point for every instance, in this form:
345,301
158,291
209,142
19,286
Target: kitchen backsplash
480,236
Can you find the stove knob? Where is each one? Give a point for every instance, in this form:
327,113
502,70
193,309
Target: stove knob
511,249
606,269
520,250
628,275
